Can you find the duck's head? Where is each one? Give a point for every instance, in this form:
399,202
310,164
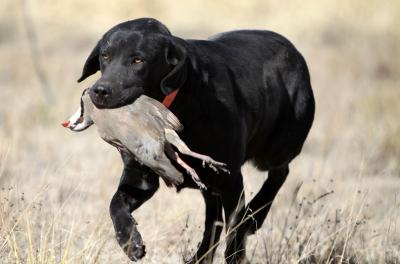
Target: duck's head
81,119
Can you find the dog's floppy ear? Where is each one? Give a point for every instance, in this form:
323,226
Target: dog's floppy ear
92,64
175,55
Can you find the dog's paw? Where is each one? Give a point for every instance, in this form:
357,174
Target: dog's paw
135,252
132,245
191,260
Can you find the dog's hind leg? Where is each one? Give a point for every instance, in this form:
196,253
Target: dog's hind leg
173,138
258,208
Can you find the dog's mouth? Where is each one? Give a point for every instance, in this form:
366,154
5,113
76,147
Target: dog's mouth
117,99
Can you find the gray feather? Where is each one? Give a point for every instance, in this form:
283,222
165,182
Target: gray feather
157,109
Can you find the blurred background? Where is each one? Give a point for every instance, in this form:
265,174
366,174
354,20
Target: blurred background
340,203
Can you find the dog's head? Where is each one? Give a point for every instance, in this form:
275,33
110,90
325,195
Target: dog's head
136,57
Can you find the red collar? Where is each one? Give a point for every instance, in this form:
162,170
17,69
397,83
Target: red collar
169,99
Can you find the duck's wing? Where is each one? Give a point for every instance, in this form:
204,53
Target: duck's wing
158,110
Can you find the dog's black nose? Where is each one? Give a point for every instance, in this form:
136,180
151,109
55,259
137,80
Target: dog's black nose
102,91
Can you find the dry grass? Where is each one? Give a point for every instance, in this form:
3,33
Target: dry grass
339,205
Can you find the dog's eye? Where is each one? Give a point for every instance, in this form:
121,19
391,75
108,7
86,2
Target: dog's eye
137,61
105,56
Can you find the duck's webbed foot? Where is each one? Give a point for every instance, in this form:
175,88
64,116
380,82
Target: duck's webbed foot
214,165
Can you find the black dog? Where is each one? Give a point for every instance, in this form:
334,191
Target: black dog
243,95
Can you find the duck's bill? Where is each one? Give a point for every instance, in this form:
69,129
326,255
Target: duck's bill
76,122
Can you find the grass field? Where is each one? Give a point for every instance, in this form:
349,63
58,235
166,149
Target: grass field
340,204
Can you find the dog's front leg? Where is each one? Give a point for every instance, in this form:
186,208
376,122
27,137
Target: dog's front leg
137,185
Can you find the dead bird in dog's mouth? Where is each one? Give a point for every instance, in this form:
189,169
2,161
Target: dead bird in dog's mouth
147,130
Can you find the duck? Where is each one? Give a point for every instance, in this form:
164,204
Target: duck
147,130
